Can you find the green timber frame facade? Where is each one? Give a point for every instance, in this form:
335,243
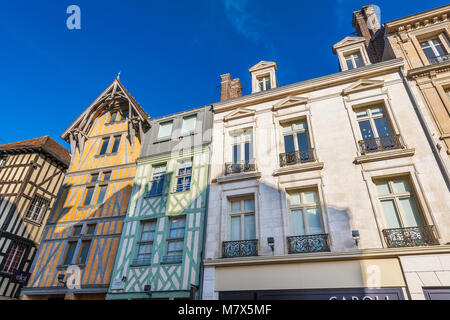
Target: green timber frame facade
158,277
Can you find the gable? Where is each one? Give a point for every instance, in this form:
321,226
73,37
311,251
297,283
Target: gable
289,102
240,113
263,65
347,41
363,84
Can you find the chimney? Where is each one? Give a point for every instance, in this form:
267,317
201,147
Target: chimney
367,21
230,88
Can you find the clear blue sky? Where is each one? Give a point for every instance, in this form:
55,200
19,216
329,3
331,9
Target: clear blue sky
170,53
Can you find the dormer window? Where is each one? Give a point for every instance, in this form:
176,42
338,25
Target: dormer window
434,50
264,83
165,130
353,60
189,124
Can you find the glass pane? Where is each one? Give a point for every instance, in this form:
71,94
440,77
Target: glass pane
159,169
287,128
88,197
236,153
70,251
302,139
438,47
310,197
382,127
116,145
383,188
101,195
235,206
165,129
390,214
295,199
106,176
249,227
375,111
84,252
145,249
358,60
361,114
401,186
410,212
235,228
248,151
94,177
77,231
298,226
104,146
289,144
366,130
90,229
189,124
113,117
314,223
429,52
349,62
249,205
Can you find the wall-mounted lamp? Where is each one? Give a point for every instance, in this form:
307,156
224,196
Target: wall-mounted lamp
148,289
61,277
355,236
271,242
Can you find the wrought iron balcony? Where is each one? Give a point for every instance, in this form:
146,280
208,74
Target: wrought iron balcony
410,237
241,248
439,59
380,144
241,166
296,157
310,243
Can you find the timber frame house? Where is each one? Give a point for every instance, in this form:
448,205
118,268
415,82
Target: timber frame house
85,227
31,173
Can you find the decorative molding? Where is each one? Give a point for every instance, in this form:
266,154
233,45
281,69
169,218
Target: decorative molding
239,113
363,84
239,177
385,155
347,41
420,20
298,168
263,65
289,102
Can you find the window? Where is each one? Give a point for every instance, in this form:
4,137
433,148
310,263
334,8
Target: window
3,161
104,146
101,194
88,196
157,183
124,115
433,50
242,219
81,246
263,83
14,258
243,146
84,250
145,244
107,176
94,177
184,176
189,124
77,231
374,126
398,204
165,130
70,251
305,213
295,137
175,240
90,229
353,61
113,118
116,144
37,209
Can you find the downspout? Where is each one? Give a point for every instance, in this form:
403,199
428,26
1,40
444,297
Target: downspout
426,129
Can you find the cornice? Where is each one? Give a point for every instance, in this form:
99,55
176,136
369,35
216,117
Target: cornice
308,85
419,20
429,70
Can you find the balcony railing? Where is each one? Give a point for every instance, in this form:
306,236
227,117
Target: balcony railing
309,243
410,237
380,144
173,258
241,248
439,59
142,261
241,166
296,157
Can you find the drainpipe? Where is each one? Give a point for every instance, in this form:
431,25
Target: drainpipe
427,130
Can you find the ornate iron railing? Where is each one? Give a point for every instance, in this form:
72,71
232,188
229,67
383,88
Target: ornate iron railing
380,144
300,156
439,59
309,243
410,237
241,248
241,166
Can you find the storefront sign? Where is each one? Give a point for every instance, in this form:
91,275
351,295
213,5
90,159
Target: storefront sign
20,277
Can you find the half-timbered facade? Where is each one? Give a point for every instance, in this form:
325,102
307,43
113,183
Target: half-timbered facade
31,173
84,229
161,245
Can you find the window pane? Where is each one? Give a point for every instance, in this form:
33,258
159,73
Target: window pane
189,123
165,130
90,229
144,250
88,197
390,214
113,117
236,153
401,186
85,245
382,127
70,252
361,114
177,228
235,206
249,225
106,176
249,205
429,52
349,62
94,177
76,231
295,199
287,128
358,60
438,47
289,144
116,145
314,223
302,139
104,146
383,188
101,194
310,197
298,226
410,212
376,111
366,130
248,151
300,126
235,228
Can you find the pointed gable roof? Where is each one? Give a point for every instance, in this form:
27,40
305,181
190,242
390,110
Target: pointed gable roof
263,65
240,113
363,84
347,41
289,102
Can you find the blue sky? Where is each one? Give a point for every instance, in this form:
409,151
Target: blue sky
170,53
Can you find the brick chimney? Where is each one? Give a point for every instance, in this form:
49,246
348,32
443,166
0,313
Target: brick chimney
230,88
367,21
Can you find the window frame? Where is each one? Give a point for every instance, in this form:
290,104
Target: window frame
3,160
242,134
371,118
79,240
180,166
242,213
160,125
265,80
170,240
10,259
352,55
141,242
44,206
304,207
159,178
183,130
